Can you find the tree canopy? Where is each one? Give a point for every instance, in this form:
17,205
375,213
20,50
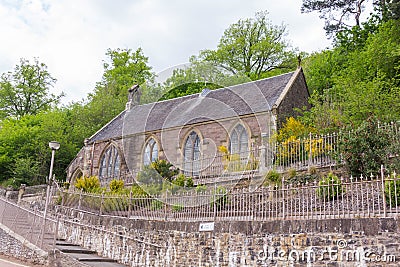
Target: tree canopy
342,15
26,90
253,47
351,85
123,68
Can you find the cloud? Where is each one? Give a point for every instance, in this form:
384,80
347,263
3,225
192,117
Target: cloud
72,38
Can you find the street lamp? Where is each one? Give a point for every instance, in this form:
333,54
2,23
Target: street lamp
54,146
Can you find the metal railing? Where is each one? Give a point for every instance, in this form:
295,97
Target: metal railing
340,198
223,167
28,224
302,153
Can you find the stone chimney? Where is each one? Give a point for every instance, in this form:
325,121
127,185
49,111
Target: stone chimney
134,94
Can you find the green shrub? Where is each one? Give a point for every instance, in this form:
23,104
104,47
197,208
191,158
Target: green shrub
182,181
177,207
179,180
165,169
189,182
313,170
392,192
116,185
368,147
14,183
138,191
272,177
330,187
201,188
26,171
149,176
88,184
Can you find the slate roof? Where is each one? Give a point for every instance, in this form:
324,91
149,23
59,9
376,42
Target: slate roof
243,99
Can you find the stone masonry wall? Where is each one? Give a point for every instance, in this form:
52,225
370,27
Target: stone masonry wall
334,242
12,247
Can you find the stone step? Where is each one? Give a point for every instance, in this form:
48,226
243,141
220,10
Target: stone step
104,264
71,249
85,256
91,259
64,243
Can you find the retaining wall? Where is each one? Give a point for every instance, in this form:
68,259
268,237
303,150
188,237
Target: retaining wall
13,245
325,242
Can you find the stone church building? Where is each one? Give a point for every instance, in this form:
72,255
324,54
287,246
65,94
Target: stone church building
196,133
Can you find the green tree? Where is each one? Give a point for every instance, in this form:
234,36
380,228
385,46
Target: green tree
25,90
253,47
336,13
26,140
350,86
345,15
122,69
198,75
26,170
368,147
393,9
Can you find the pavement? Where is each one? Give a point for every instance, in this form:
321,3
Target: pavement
6,262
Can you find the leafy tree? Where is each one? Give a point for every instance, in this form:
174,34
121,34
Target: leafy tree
393,9
24,144
336,13
365,149
350,86
343,15
26,90
355,38
200,74
122,69
253,47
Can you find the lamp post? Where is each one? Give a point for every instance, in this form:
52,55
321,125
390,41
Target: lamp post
54,146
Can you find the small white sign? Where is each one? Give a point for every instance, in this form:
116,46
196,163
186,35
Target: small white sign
204,227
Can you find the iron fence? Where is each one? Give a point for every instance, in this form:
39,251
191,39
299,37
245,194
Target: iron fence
29,224
303,153
339,198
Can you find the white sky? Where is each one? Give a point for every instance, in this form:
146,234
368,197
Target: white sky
71,37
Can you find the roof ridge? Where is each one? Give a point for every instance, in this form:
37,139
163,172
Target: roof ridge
222,88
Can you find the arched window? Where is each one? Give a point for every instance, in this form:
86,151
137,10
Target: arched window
191,155
150,152
239,141
110,163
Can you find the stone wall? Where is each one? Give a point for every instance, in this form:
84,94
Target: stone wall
296,97
13,246
334,242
